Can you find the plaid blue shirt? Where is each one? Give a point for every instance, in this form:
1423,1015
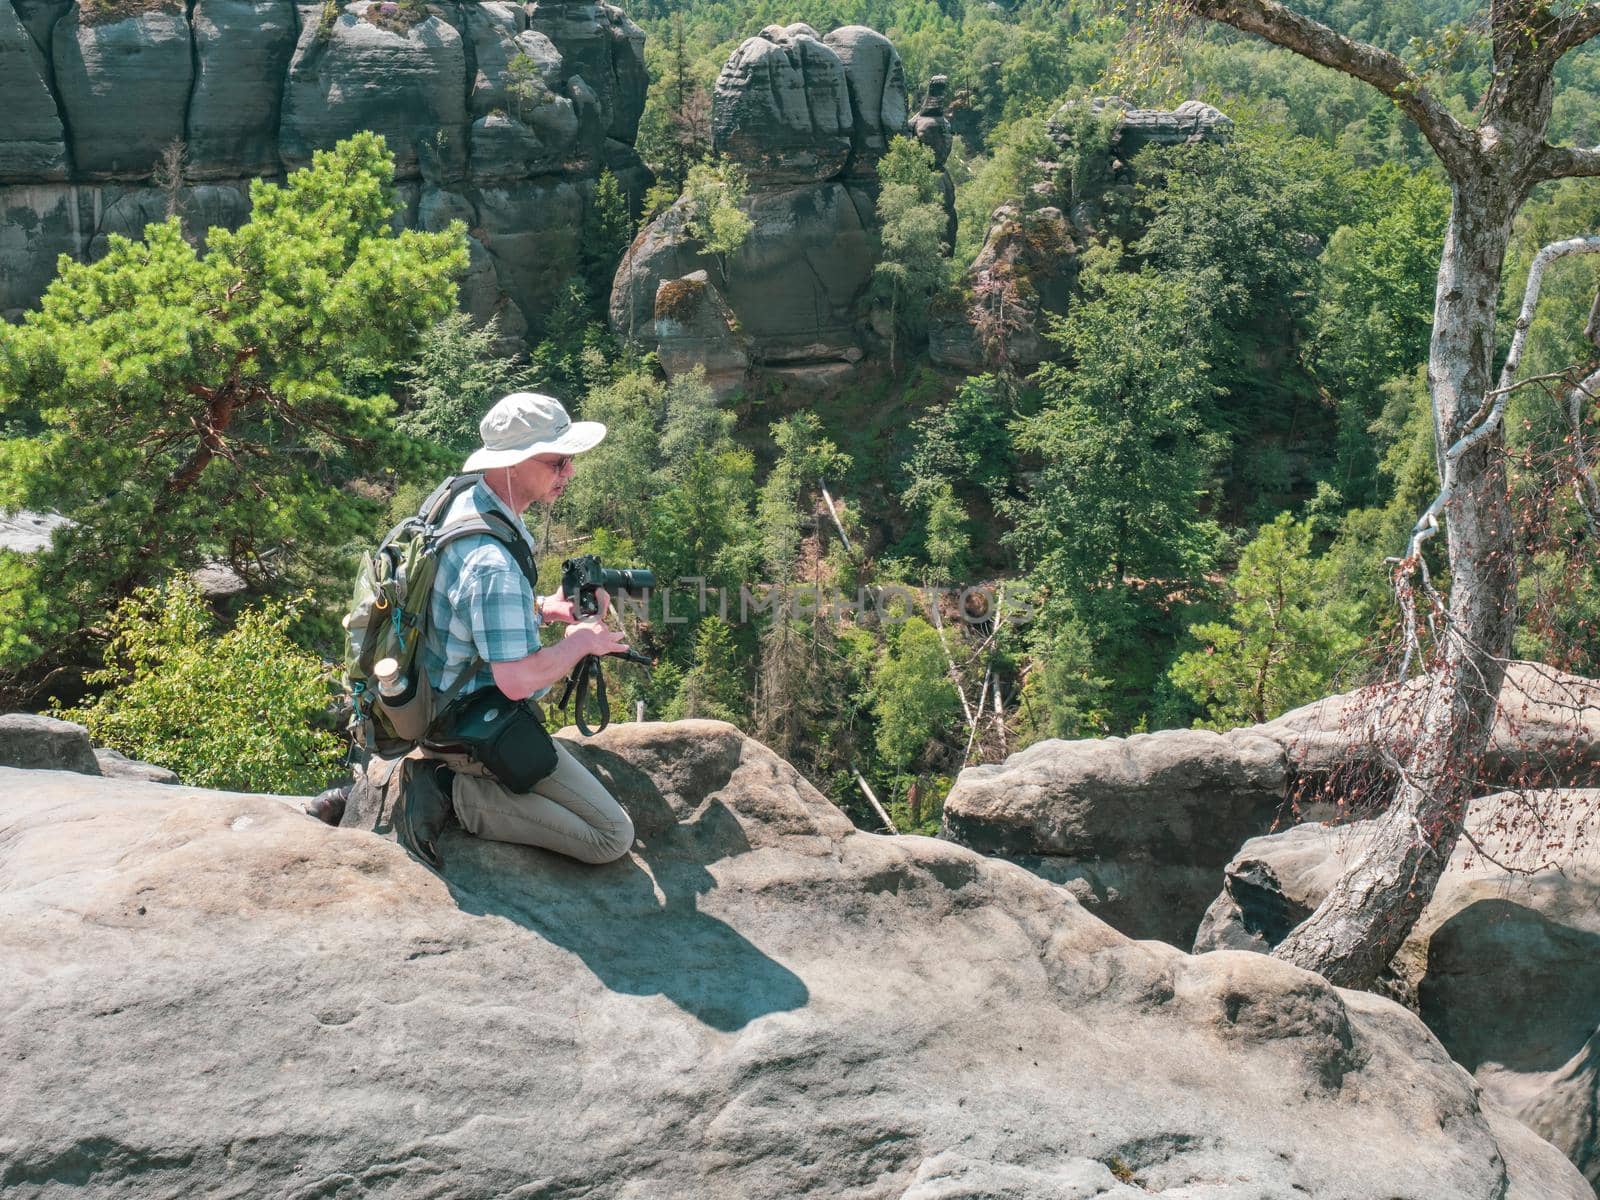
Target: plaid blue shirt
481,603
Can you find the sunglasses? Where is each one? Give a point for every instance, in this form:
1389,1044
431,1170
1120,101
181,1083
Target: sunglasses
560,464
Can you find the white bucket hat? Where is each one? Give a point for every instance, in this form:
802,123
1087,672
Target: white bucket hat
526,423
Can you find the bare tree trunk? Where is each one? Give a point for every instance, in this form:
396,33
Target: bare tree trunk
1364,919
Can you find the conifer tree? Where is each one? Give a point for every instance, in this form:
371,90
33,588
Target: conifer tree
206,404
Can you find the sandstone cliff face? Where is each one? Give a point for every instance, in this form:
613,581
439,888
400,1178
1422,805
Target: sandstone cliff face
252,88
210,993
806,119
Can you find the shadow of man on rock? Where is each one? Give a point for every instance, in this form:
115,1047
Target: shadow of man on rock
636,922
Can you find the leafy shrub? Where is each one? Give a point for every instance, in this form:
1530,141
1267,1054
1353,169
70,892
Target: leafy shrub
234,711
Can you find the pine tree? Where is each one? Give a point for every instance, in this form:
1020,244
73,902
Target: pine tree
207,404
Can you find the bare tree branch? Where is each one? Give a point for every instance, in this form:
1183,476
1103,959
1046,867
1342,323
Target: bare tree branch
1281,26
1573,30
1485,423
1583,486
1566,162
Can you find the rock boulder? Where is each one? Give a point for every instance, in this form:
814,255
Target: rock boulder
781,108
696,328
1503,967
1139,828
208,991
1546,734
38,742
114,765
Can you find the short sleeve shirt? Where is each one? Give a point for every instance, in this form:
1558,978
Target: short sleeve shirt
481,604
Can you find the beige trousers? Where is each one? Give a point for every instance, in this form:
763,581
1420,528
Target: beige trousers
569,811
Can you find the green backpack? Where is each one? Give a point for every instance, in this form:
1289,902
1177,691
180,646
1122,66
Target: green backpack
388,617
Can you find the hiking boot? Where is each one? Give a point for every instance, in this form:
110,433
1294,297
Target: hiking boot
423,810
328,806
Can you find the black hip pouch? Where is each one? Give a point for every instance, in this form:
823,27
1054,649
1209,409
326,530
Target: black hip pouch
505,737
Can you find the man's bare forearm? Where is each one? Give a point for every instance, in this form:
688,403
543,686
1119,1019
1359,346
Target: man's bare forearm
525,676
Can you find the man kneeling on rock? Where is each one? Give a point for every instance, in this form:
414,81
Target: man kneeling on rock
485,618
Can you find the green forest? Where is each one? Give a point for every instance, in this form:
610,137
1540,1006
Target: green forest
1181,518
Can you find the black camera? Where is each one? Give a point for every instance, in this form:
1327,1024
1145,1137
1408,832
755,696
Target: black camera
581,577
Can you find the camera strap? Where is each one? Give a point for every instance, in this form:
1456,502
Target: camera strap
588,666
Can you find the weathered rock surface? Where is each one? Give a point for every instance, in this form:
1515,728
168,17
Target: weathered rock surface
758,1002
252,88
797,286
1138,828
876,82
242,49
781,108
32,144
1036,250
807,126
25,532
124,88
600,45
1546,734
1505,968
38,742
409,86
114,765
38,224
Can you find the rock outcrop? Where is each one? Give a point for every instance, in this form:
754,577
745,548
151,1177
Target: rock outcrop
805,119
1546,734
1137,828
1028,262
501,114
208,991
35,741
1503,967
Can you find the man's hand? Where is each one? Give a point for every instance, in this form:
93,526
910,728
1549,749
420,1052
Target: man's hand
600,640
556,607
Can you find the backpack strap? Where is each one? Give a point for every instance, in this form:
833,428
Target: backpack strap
438,502
500,528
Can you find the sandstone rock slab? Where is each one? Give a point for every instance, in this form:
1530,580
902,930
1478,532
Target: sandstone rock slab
33,146
115,765
124,89
1503,967
1139,826
38,742
759,1001
242,50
